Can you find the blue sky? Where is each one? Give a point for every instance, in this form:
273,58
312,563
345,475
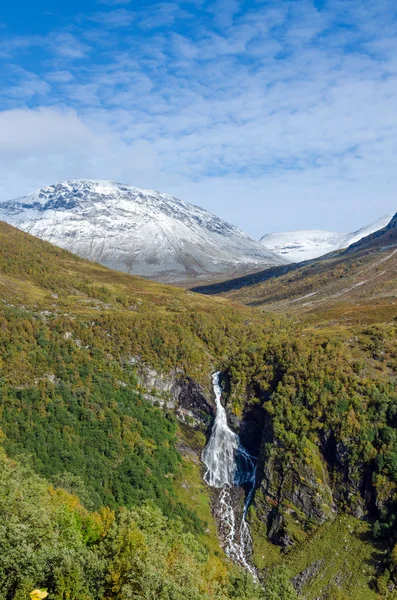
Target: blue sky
275,115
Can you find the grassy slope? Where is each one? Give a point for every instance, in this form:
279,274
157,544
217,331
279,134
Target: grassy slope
195,331
57,305
347,558
192,491
342,549
346,289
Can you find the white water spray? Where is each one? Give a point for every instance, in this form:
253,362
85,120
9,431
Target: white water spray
229,464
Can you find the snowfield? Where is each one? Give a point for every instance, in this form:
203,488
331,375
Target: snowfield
300,245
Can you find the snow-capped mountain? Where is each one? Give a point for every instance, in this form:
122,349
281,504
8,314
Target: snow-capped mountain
138,231
296,246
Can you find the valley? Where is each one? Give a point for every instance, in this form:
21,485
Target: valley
198,300
356,285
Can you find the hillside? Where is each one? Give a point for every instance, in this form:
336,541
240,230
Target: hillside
106,405
78,405
357,285
137,231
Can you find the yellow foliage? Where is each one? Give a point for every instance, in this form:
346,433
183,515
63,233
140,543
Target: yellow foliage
38,594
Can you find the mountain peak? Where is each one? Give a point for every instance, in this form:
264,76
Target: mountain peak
89,189
143,232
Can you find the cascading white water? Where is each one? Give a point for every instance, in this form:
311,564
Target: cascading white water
229,464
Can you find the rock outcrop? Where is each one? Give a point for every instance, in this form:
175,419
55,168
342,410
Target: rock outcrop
292,498
179,393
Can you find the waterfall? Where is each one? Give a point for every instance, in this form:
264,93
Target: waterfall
229,465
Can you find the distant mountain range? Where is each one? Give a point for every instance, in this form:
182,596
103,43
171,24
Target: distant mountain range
138,231
296,246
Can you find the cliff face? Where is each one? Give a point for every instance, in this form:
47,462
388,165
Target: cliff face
179,393
295,495
292,498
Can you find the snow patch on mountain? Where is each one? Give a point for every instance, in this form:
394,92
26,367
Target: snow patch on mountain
300,245
143,232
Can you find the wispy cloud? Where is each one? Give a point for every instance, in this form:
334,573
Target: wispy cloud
66,45
249,109
120,17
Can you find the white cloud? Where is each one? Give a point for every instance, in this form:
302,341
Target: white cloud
119,17
48,145
224,11
282,117
67,46
24,86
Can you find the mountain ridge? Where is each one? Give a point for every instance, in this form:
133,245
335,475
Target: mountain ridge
300,245
137,231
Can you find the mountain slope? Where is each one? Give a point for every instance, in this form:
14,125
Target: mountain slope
380,239
358,284
138,231
300,245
